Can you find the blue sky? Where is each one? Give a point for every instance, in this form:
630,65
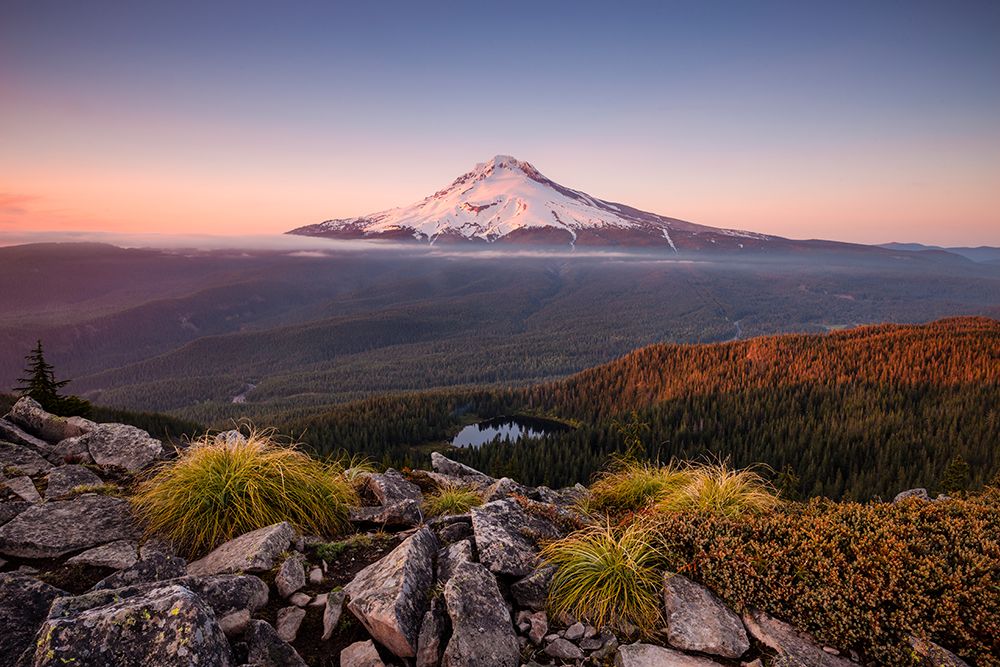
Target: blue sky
872,121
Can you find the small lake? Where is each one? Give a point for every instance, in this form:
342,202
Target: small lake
508,429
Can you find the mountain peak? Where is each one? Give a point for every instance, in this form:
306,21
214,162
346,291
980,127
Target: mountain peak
506,199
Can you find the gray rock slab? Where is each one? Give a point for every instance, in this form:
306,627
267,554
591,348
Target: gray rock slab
61,527
697,620
122,445
256,551
795,646
168,626
63,479
390,596
24,606
482,633
118,555
25,460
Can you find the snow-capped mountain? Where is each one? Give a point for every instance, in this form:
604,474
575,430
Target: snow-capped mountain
507,200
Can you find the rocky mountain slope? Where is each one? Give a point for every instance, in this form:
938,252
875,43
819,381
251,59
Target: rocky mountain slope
81,585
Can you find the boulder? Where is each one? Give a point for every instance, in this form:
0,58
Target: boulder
433,629
932,655
24,605
230,438
25,460
391,487
255,551
70,450
61,527
165,626
389,596
235,623
224,593
450,557
482,634
62,480
647,655
117,555
794,646
401,514
917,494
697,620
121,445
291,575
445,466
563,649
533,591
507,537
30,416
504,488
361,654
266,649
155,566
24,489
332,610
288,623
11,432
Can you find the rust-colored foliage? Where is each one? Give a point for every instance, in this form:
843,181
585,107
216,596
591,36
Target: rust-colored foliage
860,576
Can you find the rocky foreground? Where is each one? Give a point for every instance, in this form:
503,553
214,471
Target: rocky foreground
80,584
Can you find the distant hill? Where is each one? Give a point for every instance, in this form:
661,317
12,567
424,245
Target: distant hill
859,413
977,254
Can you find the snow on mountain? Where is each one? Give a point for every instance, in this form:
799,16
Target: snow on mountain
507,200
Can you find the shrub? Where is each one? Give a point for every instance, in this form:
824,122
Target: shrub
632,485
216,491
607,575
718,489
857,576
451,500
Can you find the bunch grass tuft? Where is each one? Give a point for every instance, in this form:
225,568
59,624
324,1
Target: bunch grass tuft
608,575
632,485
215,491
718,489
451,500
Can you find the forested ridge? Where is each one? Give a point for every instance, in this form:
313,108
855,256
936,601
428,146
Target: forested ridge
855,413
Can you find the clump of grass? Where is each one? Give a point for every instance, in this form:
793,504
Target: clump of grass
451,500
631,485
718,489
104,489
607,575
215,491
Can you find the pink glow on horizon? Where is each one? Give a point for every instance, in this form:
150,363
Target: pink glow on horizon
946,207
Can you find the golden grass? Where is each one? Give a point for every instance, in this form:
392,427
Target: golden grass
607,575
632,485
718,489
214,492
451,500
708,487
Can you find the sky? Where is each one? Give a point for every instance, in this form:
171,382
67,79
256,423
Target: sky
856,121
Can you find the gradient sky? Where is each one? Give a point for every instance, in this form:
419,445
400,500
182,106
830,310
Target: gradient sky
859,121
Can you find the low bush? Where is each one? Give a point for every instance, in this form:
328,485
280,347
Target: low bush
858,576
215,491
451,500
608,575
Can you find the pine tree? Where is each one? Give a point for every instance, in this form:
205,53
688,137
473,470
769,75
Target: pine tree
40,384
955,478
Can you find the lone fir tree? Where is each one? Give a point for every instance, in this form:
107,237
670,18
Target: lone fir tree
40,384
955,478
